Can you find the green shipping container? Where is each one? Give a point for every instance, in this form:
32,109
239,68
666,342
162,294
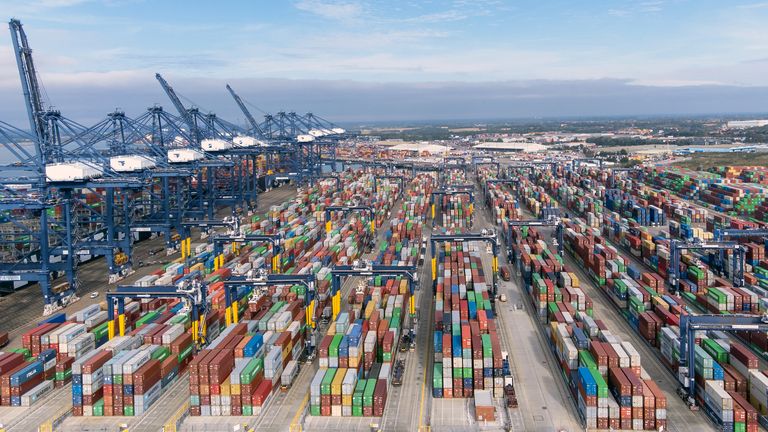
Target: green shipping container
370,387
325,385
98,408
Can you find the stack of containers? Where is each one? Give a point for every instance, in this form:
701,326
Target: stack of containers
723,367
599,366
239,371
49,350
357,352
127,374
466,343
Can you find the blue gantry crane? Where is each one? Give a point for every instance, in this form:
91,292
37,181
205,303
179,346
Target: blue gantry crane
65,165
550,221
479,161
677,246
509,181
262,279
690,324
400,180
274,240
726,233
190,288
367,210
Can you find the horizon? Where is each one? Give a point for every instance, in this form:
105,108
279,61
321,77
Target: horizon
360,61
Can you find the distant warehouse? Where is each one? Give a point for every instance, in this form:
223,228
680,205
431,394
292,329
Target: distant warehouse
512,146
746,124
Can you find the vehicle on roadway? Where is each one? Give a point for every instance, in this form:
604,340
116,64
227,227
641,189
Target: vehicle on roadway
405,342
94,294
397,373
505,273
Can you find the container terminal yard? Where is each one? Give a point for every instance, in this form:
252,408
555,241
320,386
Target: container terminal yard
178,272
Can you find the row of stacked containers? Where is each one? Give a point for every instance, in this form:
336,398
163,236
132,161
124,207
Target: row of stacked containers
738,191
357,353
730,385
467,355
603,372
126,375
467,352
453,211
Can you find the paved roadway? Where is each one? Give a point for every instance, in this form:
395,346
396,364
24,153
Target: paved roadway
21,311
405,404
542,397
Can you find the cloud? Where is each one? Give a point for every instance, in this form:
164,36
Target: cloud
32,7
645,7
340,11
759,5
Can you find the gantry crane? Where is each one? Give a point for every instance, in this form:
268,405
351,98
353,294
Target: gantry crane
488,182
190,289
676,246
491,162
65,163
399,179
368,269
612,178
251,120
262,279
449,192
275,240
575,163
486,235
550,221
346,209
217,137
336,178
725,233
690,324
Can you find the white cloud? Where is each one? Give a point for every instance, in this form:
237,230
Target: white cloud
341,11
759,5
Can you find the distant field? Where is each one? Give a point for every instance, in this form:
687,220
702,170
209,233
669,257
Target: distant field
704,161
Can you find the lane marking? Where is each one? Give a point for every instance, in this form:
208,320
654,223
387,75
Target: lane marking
300,410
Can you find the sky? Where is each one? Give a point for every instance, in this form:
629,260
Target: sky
366,60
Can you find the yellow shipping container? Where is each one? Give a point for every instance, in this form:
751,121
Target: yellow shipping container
225,387
403,286
574,280
338,379
346,400
659,302
369,308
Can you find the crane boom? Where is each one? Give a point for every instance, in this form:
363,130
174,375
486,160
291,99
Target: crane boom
244,109
179,107
29,84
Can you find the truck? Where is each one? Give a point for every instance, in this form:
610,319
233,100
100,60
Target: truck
289,374
505,273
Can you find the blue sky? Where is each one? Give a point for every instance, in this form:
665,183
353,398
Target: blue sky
366,60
